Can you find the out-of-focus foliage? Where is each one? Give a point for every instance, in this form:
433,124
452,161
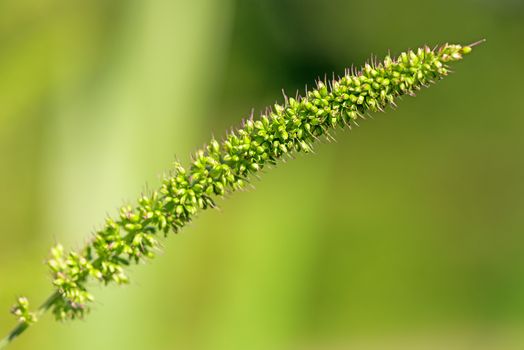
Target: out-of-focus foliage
410,233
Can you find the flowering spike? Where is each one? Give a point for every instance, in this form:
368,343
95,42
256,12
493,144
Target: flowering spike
223,167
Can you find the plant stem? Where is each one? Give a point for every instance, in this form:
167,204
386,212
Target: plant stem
22,326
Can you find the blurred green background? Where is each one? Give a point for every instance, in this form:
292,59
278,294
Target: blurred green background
408,233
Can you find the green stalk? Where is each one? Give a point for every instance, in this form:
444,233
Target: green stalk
23,326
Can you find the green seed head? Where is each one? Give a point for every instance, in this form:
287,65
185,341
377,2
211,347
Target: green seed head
225,166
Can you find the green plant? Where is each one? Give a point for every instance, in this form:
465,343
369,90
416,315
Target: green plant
225,166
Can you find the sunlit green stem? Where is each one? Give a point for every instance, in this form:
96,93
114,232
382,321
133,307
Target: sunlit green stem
23,326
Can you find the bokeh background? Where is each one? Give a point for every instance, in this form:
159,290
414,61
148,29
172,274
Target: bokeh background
408,233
